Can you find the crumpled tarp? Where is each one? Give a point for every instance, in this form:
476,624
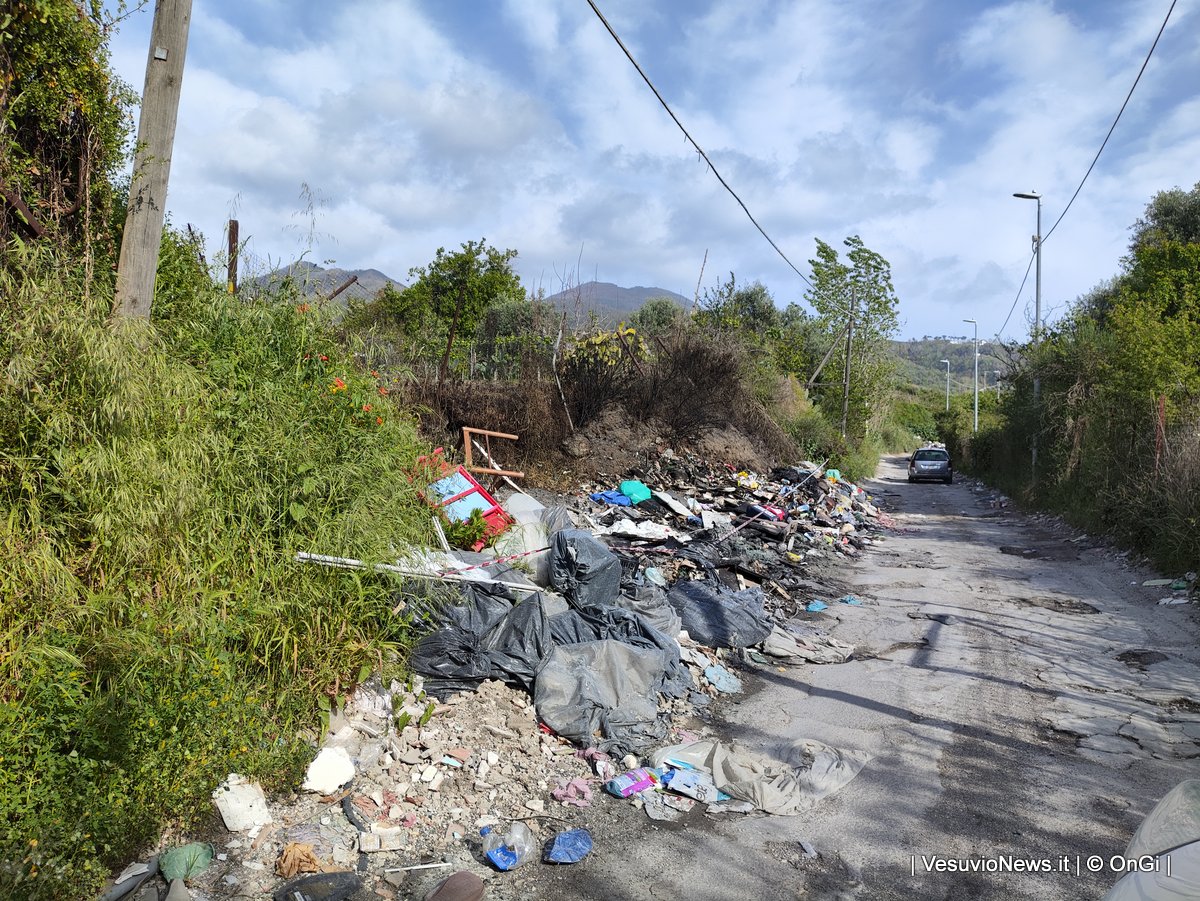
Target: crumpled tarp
810,772
583,569
484,637
719,618
603,694
811,644
1173,826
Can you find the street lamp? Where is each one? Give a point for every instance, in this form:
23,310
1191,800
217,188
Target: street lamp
947,362
1037,249
1037,315
976,324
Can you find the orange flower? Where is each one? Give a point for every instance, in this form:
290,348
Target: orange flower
302,308
366,408
324,359
378,420
338,385
383,391
374,374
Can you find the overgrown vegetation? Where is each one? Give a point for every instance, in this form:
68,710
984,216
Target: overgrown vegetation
156,483
1117,409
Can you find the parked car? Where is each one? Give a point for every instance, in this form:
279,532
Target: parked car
930,463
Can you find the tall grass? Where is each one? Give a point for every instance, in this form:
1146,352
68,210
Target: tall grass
156,480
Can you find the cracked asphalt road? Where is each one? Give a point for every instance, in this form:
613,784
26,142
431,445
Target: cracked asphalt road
1033,702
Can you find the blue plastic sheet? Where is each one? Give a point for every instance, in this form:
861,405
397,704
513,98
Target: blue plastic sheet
612,497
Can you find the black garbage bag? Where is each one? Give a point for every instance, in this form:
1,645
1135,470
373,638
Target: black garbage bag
719,618
485,637
618,624
602,694
583,569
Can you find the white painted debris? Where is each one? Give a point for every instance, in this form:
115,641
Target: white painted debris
242,804
331,769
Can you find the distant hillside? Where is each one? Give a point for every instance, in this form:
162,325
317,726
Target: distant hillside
611,303
920,362
313,280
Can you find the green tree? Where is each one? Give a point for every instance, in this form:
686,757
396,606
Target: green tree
746,310
64,123
657,316
457,288
858,291
1171,216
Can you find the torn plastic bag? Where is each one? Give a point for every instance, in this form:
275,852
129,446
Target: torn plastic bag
485,637
627,627
719,618
603,694
583,569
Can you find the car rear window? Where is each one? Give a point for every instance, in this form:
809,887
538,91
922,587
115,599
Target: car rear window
929,455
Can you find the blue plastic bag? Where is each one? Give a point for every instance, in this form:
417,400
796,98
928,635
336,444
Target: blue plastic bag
571,846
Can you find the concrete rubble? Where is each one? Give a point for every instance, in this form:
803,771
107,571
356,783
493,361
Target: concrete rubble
407,775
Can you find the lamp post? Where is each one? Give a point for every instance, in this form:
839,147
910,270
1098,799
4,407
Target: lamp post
947,362
975,428
1037,316
1037,250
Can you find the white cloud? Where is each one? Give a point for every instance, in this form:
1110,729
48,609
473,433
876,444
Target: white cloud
909,124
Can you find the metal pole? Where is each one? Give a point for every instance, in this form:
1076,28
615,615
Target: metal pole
976,324
1037,303
976,428
947,362
846,377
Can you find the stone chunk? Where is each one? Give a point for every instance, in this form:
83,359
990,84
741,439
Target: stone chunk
331,769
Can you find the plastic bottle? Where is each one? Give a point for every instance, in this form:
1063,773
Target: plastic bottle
510,850
632,782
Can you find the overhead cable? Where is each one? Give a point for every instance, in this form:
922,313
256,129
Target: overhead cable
1095,159
692,141
1145,62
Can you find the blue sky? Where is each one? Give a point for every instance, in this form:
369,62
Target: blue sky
416,124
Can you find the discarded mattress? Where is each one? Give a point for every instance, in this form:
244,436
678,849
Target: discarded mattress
719,618
810,771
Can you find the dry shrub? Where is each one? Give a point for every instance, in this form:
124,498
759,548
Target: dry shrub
695,382
529,409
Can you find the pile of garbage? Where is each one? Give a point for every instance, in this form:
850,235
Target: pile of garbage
580,659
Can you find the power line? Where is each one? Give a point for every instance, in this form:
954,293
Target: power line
1145,63
1095,159
1018,297
692,141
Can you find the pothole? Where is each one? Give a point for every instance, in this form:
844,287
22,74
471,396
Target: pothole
1058,605
1140,658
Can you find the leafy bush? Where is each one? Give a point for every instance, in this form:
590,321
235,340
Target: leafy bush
156,482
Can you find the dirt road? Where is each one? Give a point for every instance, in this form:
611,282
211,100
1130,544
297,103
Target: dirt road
1030,703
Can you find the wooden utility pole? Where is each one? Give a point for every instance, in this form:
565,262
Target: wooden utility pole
152,162
232,266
